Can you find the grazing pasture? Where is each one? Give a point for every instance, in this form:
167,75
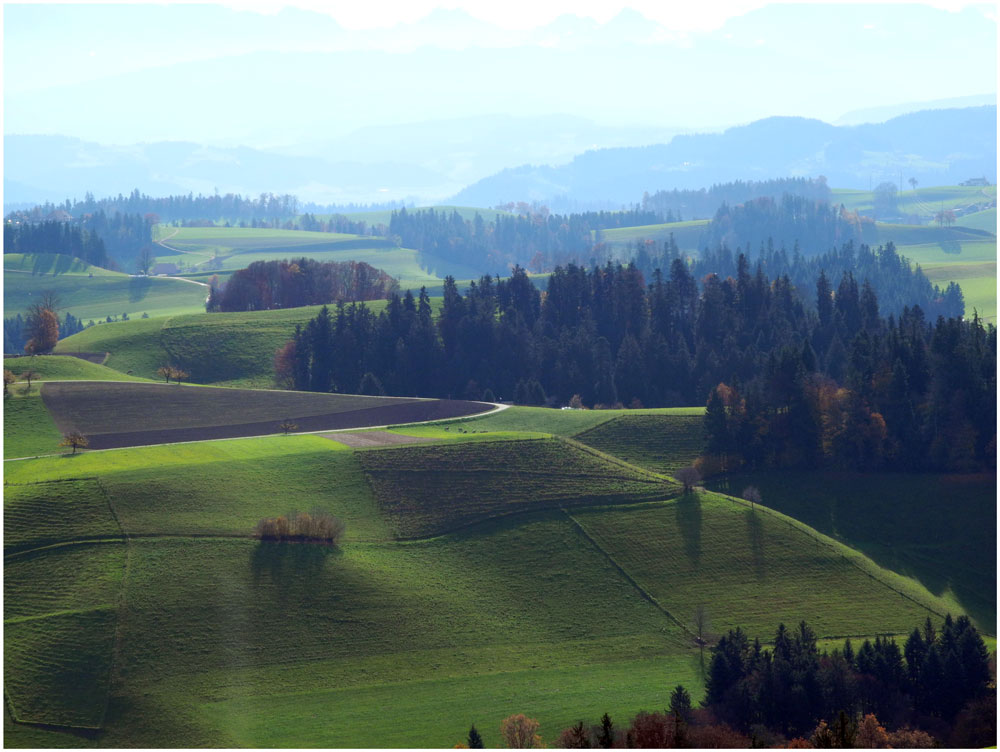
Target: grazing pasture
108,413
64,368
918,525
754,569
202,249
28,429
923,202
686,235
235,349
104,294
663,443
574,606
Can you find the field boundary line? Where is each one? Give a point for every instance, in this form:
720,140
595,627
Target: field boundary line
629,578
614,460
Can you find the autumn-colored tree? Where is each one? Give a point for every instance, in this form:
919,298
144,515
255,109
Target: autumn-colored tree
43,330
689,476
520,732
945,217
8,379
165,372
870,734
574,737
317,527
907,738
284,365
798,743
652,731
179,375
715,736
287,426
74,439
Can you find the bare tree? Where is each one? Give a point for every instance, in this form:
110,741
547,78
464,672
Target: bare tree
689,476
913,183
752,494
28,376
179,375
287,426
145,260
74,439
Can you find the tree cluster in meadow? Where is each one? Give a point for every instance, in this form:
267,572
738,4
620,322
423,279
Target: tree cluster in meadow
837,385
302,527
703,203
56,237
790,221
265,285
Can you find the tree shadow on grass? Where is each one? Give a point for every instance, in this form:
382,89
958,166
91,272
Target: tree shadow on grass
688,510
138,288
755,531
291,568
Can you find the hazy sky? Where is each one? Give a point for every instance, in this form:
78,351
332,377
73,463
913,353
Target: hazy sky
123,73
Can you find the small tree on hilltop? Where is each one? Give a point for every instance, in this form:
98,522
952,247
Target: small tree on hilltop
475,741
165,372
689,476
752,494
74,439
520,732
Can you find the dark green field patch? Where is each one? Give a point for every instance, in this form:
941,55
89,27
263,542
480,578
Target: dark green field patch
664,443
60,609
57,668
429,490
229,497
38,514
752,569
938,529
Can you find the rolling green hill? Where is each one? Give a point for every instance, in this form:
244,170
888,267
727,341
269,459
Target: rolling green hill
191,632
105,293
232,348
64,368
664,443
923,202
201,249
686,234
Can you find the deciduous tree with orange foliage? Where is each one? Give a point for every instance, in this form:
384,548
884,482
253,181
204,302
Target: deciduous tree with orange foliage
520,732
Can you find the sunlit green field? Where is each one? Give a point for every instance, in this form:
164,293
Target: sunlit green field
201,249
106,293
537,575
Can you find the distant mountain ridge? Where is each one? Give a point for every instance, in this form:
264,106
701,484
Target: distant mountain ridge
937,147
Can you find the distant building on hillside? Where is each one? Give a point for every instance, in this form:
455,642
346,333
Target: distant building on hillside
975,182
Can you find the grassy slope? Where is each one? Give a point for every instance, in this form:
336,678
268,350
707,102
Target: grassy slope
924,202
917,525
663,443
65,368
753,569
686,234
227,642
106,294
28,429
982,220
239,247
235,348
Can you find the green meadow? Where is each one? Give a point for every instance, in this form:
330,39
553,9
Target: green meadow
64,368
92,293
504,567
686,235
923,202
203,249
